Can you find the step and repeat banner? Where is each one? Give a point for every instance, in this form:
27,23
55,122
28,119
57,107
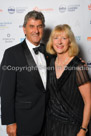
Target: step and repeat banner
76,13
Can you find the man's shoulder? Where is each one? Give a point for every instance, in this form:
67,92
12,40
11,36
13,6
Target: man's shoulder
16,48
13,48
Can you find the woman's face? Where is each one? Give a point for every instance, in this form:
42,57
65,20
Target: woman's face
61,43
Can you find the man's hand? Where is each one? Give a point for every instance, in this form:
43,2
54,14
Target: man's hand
11,129
83,61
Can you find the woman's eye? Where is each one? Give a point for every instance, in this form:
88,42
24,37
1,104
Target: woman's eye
55,37
64,38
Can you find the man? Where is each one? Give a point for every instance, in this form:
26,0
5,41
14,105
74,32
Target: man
23,86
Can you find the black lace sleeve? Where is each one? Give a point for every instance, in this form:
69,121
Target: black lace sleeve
82,76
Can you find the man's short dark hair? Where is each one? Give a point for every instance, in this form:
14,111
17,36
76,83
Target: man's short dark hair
35,15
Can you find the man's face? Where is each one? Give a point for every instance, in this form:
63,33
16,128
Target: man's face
34,31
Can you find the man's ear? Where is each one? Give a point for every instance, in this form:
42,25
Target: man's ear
24,30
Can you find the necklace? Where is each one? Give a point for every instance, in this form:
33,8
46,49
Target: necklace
62,63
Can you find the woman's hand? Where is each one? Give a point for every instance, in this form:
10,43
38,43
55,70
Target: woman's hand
81,133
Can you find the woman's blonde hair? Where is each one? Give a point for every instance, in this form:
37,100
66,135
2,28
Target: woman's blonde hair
73,48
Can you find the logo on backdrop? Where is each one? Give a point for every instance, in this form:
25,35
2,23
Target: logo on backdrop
72,8
88,38
20,26
62,8
1,10
22,39
78,38
42,10
5,25
8,38
89,64
20,9
69,8
89,7
11,10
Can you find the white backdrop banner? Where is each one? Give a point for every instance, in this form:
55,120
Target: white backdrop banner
76,13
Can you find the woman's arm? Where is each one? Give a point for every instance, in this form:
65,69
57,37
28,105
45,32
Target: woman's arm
85,91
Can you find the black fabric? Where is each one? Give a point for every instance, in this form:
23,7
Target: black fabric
30,135
34,70
54,127
23,97
65,107
81,75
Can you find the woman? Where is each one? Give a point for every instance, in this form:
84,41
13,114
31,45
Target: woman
68,112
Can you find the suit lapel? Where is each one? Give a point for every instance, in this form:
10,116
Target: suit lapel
31,63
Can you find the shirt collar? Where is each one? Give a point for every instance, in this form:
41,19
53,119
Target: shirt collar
30,45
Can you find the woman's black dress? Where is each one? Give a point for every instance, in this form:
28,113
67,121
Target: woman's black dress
65,108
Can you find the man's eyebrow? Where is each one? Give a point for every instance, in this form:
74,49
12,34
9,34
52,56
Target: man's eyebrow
36,25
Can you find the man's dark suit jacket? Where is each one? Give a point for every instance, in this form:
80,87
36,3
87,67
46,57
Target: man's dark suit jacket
23,97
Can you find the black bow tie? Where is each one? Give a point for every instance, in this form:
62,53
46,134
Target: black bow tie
39,49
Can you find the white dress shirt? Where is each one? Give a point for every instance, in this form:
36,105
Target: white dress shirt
40,62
